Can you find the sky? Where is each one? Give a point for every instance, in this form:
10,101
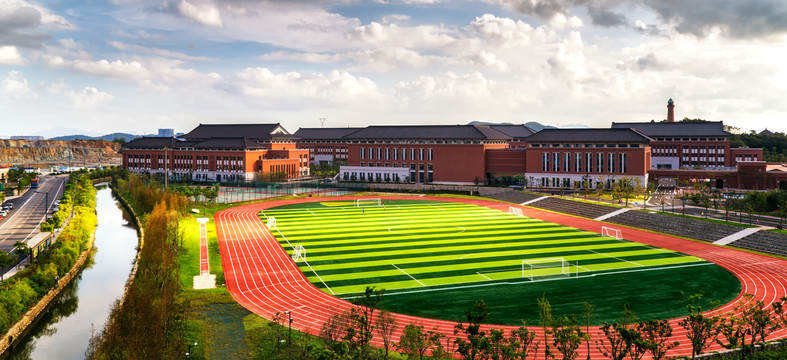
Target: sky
97,67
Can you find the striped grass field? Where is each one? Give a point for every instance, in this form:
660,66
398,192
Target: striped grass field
422,250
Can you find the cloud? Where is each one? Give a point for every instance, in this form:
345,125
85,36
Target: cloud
205,14
9,55
88,98
737,19
293,89
19,27
640,63
15,87
155,51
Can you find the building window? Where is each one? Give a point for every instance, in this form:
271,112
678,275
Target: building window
412,153
588,162
600,162
413,178
578,162
545,162
404,154
387,154
556,162
429,173
567,162
623,163
430,154
611,165
421,154
379,154
396,154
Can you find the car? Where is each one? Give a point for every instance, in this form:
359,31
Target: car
3,213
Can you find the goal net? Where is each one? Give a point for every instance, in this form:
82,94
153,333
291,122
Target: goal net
611,232
548,268
368,202
514,211
271,222
299,253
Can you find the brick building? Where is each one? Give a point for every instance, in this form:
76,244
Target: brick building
325,145
220,152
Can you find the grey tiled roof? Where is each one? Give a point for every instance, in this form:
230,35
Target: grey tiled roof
250,131
514,131
465,132
152,143
227,143
324,133
588,135
682,129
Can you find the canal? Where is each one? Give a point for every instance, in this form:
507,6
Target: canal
64,331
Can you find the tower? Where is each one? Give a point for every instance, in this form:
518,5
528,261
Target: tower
670,111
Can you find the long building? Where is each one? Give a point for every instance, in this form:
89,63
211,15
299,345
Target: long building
463,154
220,152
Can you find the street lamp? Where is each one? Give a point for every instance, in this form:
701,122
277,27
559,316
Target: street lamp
188,354
46,203
289,336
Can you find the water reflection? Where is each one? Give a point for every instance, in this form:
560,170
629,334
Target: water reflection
64,332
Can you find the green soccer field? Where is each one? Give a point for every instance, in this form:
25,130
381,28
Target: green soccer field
436,258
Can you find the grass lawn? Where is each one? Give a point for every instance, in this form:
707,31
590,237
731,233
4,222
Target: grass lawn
436,258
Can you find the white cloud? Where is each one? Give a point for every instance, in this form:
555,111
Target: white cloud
205,14
295,89
15,87
9,55
88,98
155,51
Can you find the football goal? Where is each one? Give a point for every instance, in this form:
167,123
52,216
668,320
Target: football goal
368,202
271,222
515,211
611,232
299,254
548,268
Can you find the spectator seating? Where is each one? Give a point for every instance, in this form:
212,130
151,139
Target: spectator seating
510,195
691,228
764,241
571,207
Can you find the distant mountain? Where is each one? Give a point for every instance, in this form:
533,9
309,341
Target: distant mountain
533,125
108,137
538,126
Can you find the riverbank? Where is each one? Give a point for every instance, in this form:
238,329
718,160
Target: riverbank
23,301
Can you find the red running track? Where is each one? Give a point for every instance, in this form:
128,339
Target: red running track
262,277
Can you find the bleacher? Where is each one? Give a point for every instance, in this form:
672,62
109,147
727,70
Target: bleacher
571,207
506,194
764,241
691,228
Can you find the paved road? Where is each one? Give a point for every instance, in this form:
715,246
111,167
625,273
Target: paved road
29,211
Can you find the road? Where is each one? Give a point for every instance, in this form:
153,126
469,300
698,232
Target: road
23,222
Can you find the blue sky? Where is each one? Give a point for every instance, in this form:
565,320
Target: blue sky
135,66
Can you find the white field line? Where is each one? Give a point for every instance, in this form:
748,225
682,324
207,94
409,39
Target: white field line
435,206
484,283
487,277
306,262
411,277
311,212
617,258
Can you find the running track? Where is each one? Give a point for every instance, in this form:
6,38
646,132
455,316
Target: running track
262,277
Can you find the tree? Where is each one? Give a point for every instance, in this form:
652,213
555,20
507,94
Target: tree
656,333
757,317
701,330
21,249
618,336
385,325
588,312
6,260
414,342
567,337
546,319
477,341
362,316
523,342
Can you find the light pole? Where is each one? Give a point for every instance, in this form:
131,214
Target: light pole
289,335
188,354
46,203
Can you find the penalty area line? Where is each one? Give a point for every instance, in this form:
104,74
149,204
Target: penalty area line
411,277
